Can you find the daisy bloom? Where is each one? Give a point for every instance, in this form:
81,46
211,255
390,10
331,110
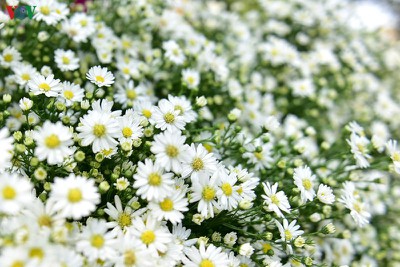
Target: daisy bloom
15,193
132,253
24,73
191,78
6,148
207,257
46,12
391,147
325,194
173,52
275,201
359,148
53,141
165,116
129,127
304,179
169,149
66,60
71,93
95,242
151,181
357,209
289,231
9,57
205,192
227,194
100,76
197,161
44,85
184,107
74,196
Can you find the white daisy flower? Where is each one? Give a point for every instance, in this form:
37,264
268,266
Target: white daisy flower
288,231
53,141
205,192
325,194
127,94
303,88
197,161
74,196
304,180
391,147
359,148
170,208
202,256
152,234
144,109
132,253
44,85
191,78
129,127
10,57
100,76
24,73
173,52
227,194
45,11
95,242
15,193
165,116
6,148
71,93
184,107
44,214
25,104
66,60
169,150
151,181
275,201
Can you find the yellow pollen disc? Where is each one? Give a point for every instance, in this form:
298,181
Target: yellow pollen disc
36,253
288,235
243,265
227,189
74,195
45,10
97,241
18,264
357,207
266,247
124,220
45,87
167,205
396,156
68,94
208,193
206,263
131,94
100,79
361,147
307,184
190,80
169,117
148,237
240,190
45,220
154,179
127,132
129,258
65,60
197,164
258,155
208,147
99,130
8,58
274,199
179,108
125,70
83,22
52,141
25,77
171,151
146,113
9,193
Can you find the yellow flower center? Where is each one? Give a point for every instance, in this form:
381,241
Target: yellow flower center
131,94
124,220
129,258
146,113
45,10
68,94
171,151
396,156
25,77
45,87
83,22
45,220
18,264
227,189
274,199
169,118
52,141
154,179
206,263
9,193
240,190
100,79
190,80
8,58
127,132
197,164
36,252
307,184
74,195
65,60
99,130
179,108
357,207
266,247
288,235
208,193
208,147
258,155
97,241
125,70
167,205
148,237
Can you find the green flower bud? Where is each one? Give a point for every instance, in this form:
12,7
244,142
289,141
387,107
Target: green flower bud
299,242
268,236
40,174
17,136
7,98
60,106
47,186
308,261
34,161
79,156
329,229
104,186
20,148
28,141
135,205
281,164
99,157
137,142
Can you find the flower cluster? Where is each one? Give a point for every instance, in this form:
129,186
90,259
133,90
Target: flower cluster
197,133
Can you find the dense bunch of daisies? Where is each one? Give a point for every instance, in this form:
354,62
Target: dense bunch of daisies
197,133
